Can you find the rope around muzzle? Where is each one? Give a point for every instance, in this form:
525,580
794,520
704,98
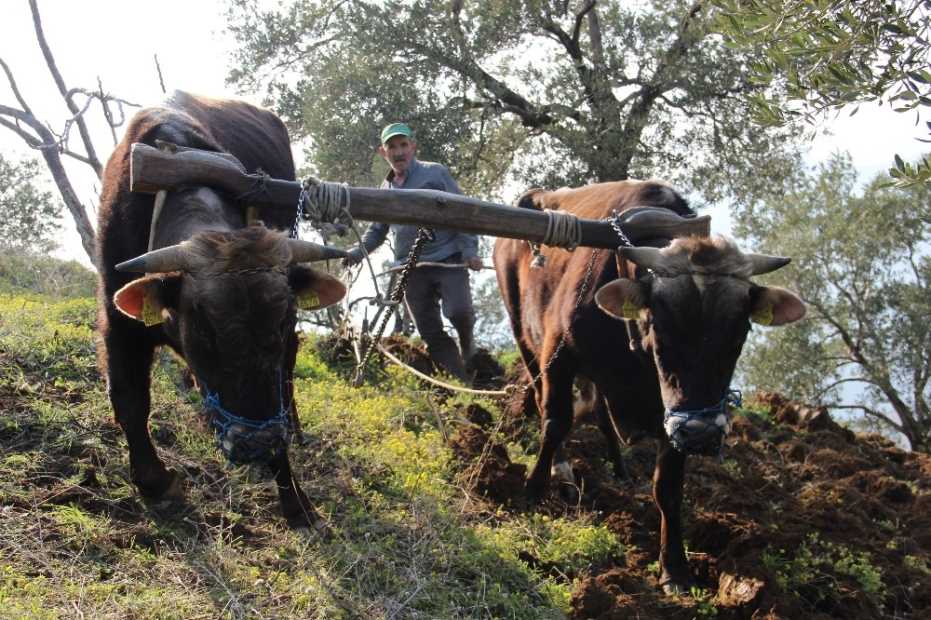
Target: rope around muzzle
702,431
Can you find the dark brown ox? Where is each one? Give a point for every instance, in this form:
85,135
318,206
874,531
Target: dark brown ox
685,312
220,293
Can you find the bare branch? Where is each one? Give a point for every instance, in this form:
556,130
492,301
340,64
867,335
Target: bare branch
827,388
29,139
873,413
158,68
60,82
579,18
14,87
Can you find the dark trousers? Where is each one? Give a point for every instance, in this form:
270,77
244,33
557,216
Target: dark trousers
426,288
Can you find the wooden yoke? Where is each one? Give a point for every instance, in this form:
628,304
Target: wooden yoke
152,169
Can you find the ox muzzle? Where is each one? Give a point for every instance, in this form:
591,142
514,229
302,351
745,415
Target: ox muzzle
701,431
243,440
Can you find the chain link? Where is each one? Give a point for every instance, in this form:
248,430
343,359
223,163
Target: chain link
424,235
615,221
302,197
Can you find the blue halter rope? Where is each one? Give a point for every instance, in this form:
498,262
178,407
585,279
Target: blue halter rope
697,431
243,440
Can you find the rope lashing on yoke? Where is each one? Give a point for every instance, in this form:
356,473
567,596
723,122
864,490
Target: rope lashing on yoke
563,230
702,431
248,441
326,205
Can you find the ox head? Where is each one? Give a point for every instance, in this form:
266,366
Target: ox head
229,301
694,311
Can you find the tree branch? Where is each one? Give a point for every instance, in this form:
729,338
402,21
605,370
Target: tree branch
60,82
873,413
29,139
14,87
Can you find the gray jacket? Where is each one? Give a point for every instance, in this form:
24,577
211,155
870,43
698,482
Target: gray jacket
422,175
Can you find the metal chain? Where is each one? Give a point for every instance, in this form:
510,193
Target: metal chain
424,234
615,221
300,209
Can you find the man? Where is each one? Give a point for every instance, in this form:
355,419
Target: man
427,286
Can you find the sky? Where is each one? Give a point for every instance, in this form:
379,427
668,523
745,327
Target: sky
117,40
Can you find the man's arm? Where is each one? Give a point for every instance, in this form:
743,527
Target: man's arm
374,236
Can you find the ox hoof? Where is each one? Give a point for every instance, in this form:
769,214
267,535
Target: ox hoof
674,587
534,492
310,533
169,491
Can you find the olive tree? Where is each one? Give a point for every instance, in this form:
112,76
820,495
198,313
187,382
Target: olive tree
861,262
533,92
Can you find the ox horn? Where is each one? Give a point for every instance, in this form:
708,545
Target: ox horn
306,252
171,258
651,222
651,258
764,263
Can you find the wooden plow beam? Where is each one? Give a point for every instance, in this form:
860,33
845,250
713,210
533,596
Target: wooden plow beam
154,169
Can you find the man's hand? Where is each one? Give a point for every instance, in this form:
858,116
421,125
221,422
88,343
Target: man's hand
353,257
475,263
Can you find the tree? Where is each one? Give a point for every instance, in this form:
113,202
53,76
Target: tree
539,92
831,55
20,119
861,262
28,214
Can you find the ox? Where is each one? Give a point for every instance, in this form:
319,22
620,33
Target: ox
684,311
223,294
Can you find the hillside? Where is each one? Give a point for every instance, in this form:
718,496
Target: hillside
423,496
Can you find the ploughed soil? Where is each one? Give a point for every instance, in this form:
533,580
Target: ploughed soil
803,518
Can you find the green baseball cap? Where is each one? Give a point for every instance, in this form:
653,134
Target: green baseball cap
395,129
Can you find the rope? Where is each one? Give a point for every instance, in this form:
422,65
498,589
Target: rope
326,205
437,382
562,229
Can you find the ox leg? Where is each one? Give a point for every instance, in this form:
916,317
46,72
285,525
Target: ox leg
295,507
667,493
290,360
128,389
611,436
556,409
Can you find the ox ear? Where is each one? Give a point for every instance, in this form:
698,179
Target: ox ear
775,306
314,289
623,298
146,299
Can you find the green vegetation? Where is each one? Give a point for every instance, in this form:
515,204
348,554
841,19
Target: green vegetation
539,93
29,216
832,55
406,539
818,568
27,272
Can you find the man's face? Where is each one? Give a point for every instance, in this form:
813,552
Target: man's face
398,151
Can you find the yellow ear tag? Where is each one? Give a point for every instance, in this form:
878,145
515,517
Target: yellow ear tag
630,310
763,316
308,300
151,312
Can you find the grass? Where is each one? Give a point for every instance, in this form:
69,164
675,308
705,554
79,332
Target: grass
407,541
